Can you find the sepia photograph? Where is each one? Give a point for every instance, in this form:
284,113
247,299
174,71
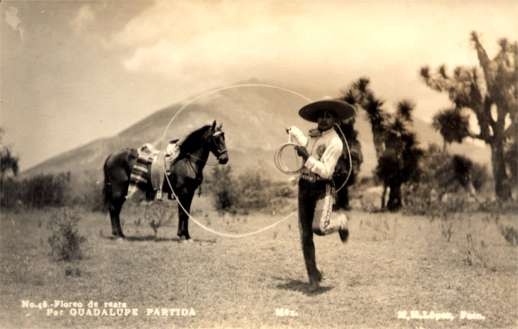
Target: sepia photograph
258,164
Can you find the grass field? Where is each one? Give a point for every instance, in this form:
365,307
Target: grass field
391,263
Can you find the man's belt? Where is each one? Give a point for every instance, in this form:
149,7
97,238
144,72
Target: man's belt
312,177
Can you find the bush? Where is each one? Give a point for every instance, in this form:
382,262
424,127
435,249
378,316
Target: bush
36,192
53,190
86,191
65,241
254,191
444,184
157,215
223,188
509,233
249,191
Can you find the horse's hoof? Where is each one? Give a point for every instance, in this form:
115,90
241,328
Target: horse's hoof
313,287
117,236
185,239
320,276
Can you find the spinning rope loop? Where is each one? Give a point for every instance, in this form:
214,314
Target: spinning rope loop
163,139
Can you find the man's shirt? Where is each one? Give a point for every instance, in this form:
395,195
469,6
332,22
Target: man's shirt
324,149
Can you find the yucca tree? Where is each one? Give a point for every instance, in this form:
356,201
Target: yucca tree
360,94
452,124
492,98
399,162
352,97
343,167
396,147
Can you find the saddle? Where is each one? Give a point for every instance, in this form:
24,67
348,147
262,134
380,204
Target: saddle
150,166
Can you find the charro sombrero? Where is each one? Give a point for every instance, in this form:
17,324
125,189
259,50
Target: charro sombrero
342,110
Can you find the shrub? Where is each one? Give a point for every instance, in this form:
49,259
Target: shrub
249,191
36,192
53,190
444,184
509,233
65,241
476,252
254,191
85,189
223,187
157,215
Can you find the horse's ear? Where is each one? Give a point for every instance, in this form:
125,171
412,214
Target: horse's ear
213,125
220,127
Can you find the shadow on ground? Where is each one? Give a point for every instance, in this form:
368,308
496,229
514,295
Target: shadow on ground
300,286
147,238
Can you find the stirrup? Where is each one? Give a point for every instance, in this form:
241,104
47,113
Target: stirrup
131,190
158,196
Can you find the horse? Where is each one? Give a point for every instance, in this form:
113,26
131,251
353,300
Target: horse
185,175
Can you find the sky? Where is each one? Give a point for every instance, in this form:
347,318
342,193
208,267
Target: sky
74,71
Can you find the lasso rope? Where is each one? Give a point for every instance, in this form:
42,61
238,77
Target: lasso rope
189,102
278,163
348,156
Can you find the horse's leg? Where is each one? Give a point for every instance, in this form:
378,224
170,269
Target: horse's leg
109,202
115,210
115,206
118,221
185,199
113,216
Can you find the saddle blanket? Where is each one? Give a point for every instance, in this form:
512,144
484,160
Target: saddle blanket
150,166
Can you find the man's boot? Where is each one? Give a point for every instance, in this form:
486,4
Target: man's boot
343,231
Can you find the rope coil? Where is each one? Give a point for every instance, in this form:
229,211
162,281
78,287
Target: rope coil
277,159
280,165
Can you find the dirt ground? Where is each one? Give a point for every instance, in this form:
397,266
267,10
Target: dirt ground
391,264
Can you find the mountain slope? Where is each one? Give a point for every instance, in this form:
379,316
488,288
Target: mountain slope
254,120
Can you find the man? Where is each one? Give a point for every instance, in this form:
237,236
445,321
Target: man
320,153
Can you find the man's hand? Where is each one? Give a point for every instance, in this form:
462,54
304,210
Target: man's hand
302,152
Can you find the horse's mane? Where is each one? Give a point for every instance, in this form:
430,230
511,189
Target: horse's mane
192,140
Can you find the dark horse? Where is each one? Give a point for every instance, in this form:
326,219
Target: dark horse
185,174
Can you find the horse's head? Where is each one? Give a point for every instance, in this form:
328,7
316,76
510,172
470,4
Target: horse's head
217,143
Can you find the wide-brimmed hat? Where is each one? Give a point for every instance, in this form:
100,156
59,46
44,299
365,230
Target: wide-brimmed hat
342,110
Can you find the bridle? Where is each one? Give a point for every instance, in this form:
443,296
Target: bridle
218,152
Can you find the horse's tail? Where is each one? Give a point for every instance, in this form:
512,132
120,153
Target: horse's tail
106,185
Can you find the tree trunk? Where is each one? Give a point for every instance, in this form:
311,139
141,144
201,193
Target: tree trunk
502,184
394,201
378,140
444,146
383,196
